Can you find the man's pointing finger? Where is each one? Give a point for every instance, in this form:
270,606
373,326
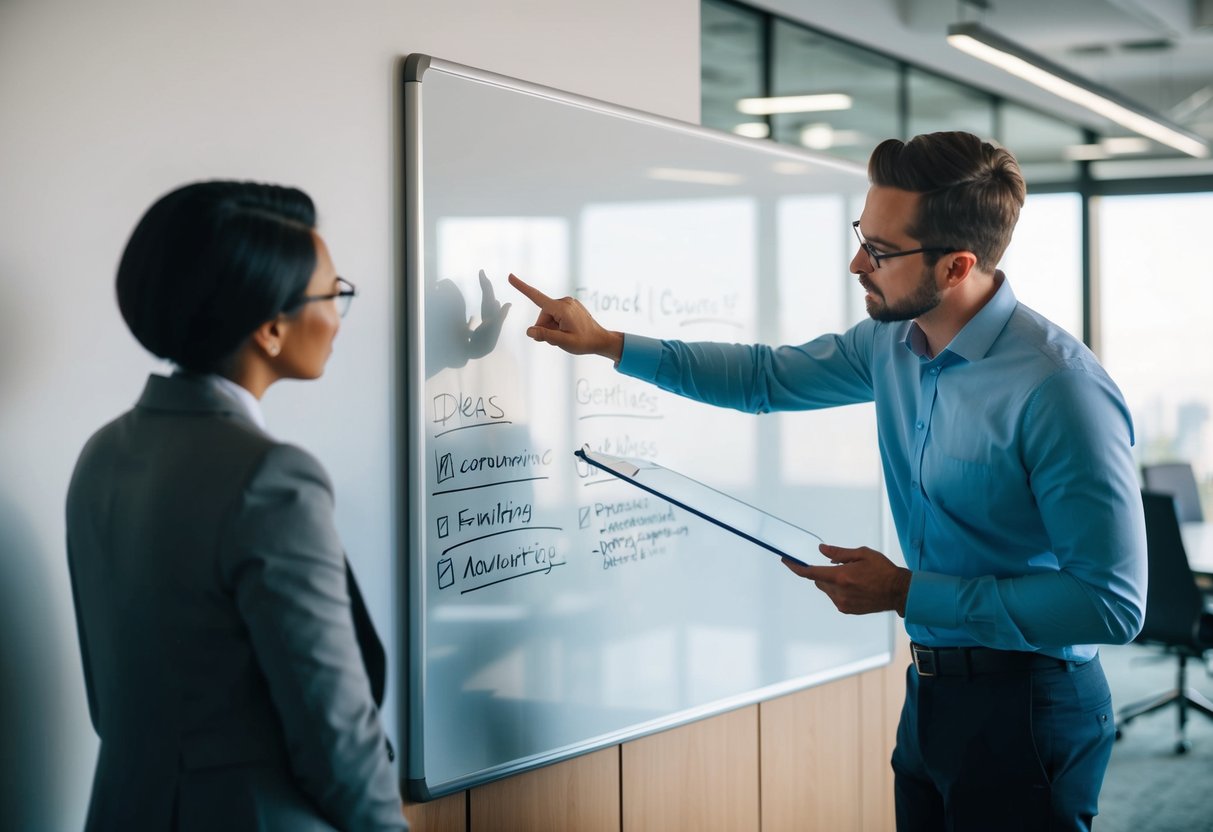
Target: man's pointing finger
536,297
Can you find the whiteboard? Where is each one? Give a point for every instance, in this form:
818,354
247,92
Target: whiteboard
551,609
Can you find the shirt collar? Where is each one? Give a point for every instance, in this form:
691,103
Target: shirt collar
247,401
977,336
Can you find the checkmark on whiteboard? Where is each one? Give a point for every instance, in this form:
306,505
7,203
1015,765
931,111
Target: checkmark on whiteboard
446,467
446,573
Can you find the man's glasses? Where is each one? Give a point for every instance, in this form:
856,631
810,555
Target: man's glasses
875,256
343,296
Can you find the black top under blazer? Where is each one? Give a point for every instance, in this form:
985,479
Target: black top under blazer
233,673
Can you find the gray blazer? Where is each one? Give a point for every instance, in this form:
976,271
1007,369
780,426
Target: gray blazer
233,673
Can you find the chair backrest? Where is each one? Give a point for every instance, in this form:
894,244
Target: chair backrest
1178,479
1173,601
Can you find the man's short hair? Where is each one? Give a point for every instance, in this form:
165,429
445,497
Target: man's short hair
971,191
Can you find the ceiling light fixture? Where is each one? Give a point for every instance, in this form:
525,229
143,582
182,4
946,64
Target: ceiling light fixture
788,168
753,130
823,136
1106,149
1124,145
1084,153
794,104
978,41
697,177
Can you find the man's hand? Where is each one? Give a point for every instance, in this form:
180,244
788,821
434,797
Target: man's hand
861,581
565,323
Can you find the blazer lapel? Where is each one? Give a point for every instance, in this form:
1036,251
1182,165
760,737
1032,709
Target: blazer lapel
373,656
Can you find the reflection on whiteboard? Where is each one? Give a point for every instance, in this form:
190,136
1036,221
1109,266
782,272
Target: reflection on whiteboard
452,341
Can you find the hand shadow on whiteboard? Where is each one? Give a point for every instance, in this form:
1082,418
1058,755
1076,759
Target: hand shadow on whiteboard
450,339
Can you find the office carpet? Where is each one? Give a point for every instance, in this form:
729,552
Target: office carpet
1149,788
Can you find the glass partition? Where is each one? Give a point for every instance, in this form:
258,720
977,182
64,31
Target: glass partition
936,103
804,62
885,96
732,59
1040,143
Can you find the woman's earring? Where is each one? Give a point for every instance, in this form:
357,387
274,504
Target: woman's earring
273,350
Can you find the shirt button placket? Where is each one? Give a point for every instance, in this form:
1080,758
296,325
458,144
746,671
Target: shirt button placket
921,429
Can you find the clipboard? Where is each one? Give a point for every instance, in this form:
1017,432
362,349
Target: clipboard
742,519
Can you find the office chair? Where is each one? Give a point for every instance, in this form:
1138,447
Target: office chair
1175,615
1175,478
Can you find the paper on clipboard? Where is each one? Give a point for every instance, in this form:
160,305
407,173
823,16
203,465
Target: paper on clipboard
742,519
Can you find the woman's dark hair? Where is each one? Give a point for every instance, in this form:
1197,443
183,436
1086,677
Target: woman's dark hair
971,191
211,261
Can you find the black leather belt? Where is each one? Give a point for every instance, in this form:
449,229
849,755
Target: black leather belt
972,661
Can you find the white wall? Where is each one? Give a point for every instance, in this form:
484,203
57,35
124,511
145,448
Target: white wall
105,106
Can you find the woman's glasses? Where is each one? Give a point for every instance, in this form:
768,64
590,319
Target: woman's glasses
343,296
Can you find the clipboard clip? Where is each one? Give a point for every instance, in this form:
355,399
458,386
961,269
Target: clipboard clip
614,464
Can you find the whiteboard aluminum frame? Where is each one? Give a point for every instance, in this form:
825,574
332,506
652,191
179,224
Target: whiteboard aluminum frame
411,532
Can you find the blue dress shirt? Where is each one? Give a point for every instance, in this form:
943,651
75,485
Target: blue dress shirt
1007,459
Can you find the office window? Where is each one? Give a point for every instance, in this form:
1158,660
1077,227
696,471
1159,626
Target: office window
1040,143
1044,260
738,54
807,63
1156,291
939,104
732,59
817,294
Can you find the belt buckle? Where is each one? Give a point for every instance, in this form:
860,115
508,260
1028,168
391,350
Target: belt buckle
924,660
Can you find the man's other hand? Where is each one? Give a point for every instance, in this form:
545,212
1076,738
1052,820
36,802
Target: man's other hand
860,581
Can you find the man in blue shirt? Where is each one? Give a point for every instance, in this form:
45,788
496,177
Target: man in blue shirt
1006,451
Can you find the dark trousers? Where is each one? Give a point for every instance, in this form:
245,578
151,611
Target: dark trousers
1020,750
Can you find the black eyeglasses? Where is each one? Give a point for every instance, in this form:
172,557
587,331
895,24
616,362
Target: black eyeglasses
343,296
875,256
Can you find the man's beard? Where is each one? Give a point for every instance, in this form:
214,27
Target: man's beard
922,300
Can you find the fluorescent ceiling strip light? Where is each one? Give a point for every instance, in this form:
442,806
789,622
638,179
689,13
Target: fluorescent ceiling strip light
1084,153
823,136
791,168
753,130
1121,145
697,177
981,43
794,104
1106,148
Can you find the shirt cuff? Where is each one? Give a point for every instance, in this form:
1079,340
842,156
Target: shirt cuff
933,600
640,358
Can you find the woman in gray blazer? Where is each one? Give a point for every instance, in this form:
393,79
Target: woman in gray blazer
233,674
